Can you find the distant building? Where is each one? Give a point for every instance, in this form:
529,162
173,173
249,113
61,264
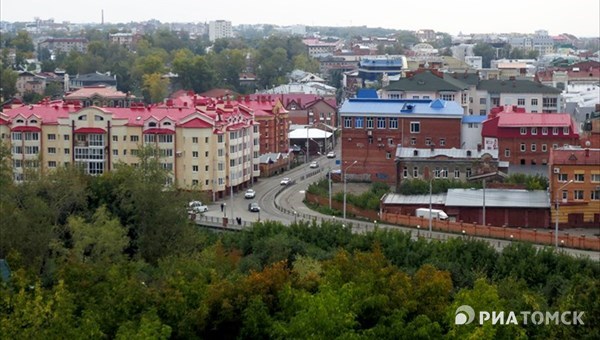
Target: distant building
93,79
64,45
526,138
574,175
317,48
371,69
219,29
30,82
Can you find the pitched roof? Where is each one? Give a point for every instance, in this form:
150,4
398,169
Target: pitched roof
469,78
577,156
505,198
425,81
534,119
406,152
100,90
395,107
515,86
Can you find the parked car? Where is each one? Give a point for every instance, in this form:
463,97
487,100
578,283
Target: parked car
253,207
314,165
331,154
250,193
195,207
285,181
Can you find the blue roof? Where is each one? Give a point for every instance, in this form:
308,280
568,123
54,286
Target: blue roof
394,107
473,119
367,93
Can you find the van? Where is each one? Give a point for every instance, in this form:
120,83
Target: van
436,214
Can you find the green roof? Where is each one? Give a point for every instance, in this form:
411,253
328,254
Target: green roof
425,82
515,86
462,78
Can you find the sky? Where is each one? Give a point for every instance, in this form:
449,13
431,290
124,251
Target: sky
578,17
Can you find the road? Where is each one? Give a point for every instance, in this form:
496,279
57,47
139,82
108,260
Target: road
285,204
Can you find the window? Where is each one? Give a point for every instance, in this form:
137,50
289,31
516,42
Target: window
195,140
115,152
388,155
134,152
549,102
482,101
523,148
415,97
165,138
347,122
595,178
442,142
523,130
67,151
359,122
533,147
66,137
415,172
206,140
390,141
51,136
52,164
16,136
482,112
563,177
544,148
194,182
51,150
32,150
369,122
566,130
194,168
427,141
554,146
555,131
578,194
393,123
194,154
565,195
447,97
507,152
206,168
579,177
534,102
206,154
124,138
115,138
405,172
82,117
521,101
381,123
456,173
544,131
415,127
468,172
534,131
32,136
413,141
595,195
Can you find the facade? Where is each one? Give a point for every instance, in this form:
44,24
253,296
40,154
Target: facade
205,144
219,29
526,94
272,164
64,45
305,109
93,79
127,40
371,69
317,48
273,122
527,138
470,133
455,164
575,186
29,82
373,128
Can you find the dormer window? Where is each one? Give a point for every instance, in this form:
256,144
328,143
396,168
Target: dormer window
167,123
152,124
98,118
20,121
82,117
33,121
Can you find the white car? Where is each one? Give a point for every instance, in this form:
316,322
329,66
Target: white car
250,193
314,165
285,181
196,207
331,154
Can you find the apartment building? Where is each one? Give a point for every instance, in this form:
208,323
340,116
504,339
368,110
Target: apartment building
273,122
30,82
219,29
205,144
529,95
64,45
527,138
574,174
373,128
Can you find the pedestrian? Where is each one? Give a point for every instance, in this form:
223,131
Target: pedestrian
222,206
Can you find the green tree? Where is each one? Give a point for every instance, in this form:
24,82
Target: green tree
486,52
155,87
8,83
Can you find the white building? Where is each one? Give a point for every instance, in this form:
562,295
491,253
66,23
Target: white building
219,29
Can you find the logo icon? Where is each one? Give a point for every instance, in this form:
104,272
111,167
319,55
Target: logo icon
464,315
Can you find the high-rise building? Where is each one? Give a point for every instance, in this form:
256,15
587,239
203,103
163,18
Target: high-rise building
219,29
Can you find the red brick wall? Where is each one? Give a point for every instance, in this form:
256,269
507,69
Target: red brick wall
514,144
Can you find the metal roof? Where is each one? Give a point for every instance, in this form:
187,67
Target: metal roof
397,107
505,198
474,119
414,199
407,152
309,133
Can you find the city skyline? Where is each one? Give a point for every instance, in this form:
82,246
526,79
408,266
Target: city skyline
578,17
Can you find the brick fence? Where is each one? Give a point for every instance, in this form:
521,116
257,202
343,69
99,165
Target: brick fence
470,229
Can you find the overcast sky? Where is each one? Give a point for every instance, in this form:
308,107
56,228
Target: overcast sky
579,17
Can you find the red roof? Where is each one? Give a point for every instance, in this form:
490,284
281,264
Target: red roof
90,130
25,128
534,119
575,156
196,123
157,131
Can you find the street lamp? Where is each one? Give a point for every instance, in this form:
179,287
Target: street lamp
295,216
556,222
345,181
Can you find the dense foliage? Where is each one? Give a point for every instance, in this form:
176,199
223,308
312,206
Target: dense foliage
114,256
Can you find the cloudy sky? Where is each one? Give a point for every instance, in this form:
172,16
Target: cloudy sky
579,17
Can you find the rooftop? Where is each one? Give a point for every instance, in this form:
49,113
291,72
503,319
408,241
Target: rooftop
397,107
502,198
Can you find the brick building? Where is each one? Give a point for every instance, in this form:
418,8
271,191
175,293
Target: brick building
527,138
373,128
575,186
